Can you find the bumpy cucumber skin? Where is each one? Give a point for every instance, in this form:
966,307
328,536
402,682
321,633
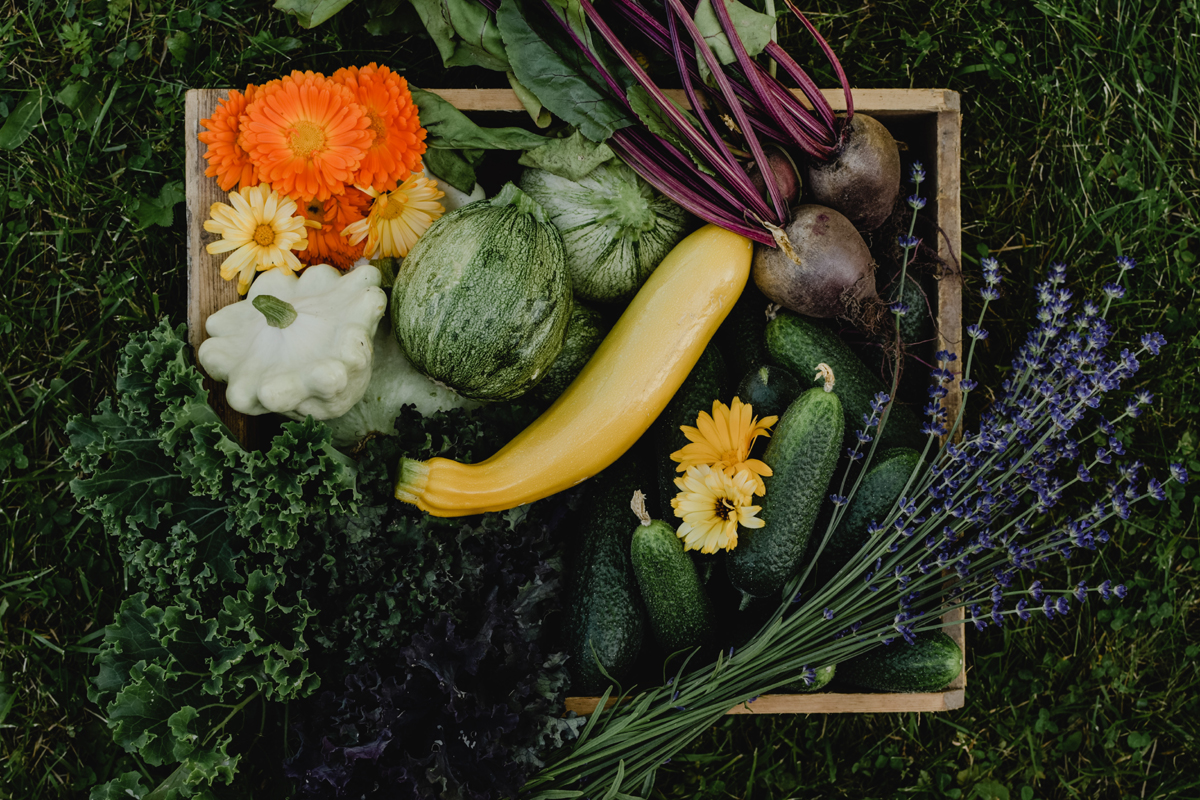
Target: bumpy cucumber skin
925,666
604,606
677,607
769,390
585,331
706,382
878,492
802,455
800,344
742,336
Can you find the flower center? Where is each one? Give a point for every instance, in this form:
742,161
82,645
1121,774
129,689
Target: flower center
264,235
377,127
397,202
724,509
315,210
306,138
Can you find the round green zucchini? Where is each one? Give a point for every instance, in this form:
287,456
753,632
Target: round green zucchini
481,303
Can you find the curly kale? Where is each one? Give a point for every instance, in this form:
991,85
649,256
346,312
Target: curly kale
454,695
262,574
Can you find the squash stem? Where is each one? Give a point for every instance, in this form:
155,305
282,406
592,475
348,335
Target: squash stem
411,479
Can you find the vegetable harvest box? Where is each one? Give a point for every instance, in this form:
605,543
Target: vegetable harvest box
926,121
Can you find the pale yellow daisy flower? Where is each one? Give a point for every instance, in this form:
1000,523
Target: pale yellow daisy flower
712,505
261,230
724,440
397,218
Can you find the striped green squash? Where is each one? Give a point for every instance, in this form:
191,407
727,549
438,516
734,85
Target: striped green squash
482,301
615,227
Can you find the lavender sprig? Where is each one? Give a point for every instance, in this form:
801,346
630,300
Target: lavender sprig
986,511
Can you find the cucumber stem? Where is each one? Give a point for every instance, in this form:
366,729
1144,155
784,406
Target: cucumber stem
825,371
638,504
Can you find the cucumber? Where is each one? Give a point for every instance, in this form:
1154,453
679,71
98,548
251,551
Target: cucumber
769,390
880,487
605,616
585,331
742,336
677,607
925,666
800,344
705,383
802,455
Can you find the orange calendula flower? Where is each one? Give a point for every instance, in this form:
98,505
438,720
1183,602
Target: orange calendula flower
306,135
712,505
397,219
228,161
399,142
724,439
326,245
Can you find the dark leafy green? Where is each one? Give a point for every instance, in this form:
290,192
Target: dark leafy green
547,63
264,574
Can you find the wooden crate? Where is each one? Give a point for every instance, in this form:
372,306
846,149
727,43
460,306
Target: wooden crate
927,121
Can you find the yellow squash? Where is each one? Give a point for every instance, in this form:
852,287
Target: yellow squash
629,380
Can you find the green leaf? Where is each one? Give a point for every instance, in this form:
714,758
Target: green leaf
128,785
141,713
752,28
571,158
540,116
656,120
159,210
179,44
449,166
549,64
311,13
74,95
23,119
449,128
130,640
464,32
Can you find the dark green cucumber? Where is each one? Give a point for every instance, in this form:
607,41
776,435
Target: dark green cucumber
881,486
769,390
585,331
799,344
742,337
705,383
677,607
925,666
917,324
802,455
605,619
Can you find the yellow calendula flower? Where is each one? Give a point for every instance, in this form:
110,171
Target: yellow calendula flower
261,231
723,441
397,218
712,505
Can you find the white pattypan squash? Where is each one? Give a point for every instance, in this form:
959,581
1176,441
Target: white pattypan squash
297,345
394,383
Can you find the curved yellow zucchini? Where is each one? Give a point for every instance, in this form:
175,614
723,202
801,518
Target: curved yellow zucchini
624,387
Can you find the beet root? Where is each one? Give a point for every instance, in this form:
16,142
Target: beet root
783,169
863,180
828,272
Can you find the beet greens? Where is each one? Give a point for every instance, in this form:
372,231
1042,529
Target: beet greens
699,160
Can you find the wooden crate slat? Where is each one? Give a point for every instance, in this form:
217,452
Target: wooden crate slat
207,292
819,703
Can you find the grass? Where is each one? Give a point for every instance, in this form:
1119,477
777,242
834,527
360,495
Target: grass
1079,142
